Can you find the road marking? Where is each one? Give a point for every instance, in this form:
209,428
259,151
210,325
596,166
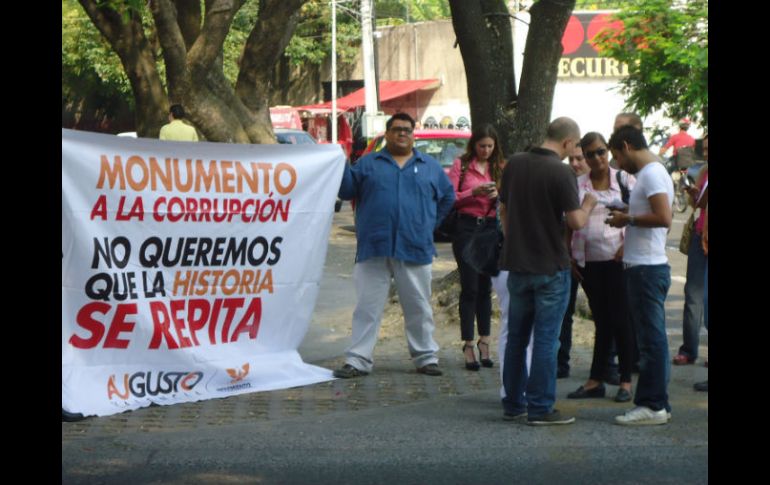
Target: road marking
680,279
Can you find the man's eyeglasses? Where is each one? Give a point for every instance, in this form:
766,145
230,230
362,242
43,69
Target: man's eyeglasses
600,152
402,129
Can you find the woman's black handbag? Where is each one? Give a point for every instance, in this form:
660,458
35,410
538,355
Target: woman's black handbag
482,252
448,227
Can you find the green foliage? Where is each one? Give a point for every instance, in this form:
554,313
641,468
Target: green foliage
89,65
395,12
599,4
665,44
312,40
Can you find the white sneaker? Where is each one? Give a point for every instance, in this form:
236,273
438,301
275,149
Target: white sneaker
642,416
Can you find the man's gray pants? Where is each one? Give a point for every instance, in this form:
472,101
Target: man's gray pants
372,281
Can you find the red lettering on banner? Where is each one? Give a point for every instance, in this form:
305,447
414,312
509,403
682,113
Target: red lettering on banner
197,314
85,320
120,325
176,306
201,308
231,305
250,321
137,210
161,322
175,322
100,208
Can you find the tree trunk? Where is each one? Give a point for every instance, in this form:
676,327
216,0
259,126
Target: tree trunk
484,33
539,72
192,52
277,21
126,36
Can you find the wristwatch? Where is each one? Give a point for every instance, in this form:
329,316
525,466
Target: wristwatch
631,221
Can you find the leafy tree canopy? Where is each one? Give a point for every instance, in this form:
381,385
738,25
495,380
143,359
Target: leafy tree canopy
665,44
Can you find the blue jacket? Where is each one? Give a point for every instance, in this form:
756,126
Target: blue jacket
397,209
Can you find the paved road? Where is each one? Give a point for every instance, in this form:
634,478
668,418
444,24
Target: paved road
395,426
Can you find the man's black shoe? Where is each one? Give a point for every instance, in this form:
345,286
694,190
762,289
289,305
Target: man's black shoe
562,373
71,417
554,417
702,386
583,393
347,371
429,370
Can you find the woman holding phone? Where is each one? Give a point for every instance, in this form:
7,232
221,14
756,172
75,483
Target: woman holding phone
598,249
475,176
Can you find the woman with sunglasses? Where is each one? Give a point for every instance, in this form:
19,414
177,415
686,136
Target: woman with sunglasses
475,176
598,250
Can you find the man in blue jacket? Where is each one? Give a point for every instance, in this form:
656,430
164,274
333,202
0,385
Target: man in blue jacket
401,195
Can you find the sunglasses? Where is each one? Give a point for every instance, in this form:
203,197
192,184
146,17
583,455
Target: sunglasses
402,129
600,152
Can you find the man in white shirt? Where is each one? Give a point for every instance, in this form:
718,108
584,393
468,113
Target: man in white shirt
647,273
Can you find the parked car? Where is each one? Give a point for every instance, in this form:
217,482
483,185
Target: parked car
443,145
287,136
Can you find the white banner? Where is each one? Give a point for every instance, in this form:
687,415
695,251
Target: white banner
189,270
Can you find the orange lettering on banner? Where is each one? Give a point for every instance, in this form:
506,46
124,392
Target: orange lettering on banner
112,390
113,173
223,176
244,282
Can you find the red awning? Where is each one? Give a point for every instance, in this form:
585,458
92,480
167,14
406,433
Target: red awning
388,90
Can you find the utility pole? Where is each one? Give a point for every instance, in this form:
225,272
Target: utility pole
370,86
334,71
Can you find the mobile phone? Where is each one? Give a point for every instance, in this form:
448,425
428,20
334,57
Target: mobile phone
617,205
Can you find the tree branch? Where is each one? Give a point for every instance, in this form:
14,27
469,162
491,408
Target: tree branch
265,45
216,24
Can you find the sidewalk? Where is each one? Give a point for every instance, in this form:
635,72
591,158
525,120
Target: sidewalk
397,426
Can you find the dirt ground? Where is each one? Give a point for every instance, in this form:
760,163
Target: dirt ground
446,292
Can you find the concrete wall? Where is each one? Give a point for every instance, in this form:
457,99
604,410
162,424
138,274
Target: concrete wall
424,51
585,91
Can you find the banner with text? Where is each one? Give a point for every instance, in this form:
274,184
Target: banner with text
189,270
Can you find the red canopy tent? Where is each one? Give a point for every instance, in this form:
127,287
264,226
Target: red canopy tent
389,90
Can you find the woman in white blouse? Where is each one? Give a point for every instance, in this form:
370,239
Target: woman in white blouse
598,250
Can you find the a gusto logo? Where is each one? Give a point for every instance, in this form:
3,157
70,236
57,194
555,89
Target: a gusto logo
238,374
142,384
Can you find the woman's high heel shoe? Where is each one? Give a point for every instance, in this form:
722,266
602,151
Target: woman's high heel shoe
471,365
485,362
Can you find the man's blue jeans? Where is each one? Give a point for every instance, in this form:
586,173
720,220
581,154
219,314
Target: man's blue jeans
537,302
647,287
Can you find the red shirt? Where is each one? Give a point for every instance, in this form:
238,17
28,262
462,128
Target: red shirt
466,202
680,140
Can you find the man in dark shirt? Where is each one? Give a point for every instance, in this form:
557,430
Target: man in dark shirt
538,194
